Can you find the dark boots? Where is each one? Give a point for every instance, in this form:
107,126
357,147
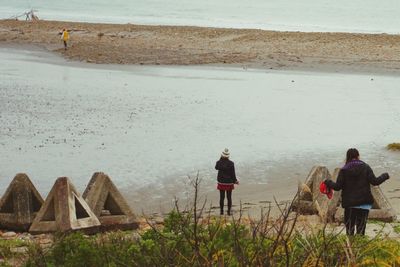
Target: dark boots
222,211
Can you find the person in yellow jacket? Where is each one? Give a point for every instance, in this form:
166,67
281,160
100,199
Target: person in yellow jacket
65,37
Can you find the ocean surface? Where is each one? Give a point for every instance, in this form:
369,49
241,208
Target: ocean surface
370,16
144,124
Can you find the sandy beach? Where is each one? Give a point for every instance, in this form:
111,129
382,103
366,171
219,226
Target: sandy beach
173,45
180,45
152,94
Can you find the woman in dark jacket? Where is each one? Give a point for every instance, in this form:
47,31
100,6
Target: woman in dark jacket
355,180
226,180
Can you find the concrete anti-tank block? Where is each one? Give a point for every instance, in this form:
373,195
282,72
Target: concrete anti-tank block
108,204
64,210
19,204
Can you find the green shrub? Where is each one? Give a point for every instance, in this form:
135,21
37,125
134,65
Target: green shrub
189,239
6,251
7,245
219,243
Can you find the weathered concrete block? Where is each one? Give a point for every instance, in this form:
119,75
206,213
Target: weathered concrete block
19,204
64,210
311,201
108,204
304,207
330,210
381,210
335,201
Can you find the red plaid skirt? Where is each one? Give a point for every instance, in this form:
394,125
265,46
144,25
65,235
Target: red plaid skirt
225,187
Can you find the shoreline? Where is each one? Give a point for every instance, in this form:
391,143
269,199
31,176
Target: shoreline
52,57
129,44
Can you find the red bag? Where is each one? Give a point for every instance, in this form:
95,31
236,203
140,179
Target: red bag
326,190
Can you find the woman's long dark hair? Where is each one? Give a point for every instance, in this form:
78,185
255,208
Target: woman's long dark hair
351,154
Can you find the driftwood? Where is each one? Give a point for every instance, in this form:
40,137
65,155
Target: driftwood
29,16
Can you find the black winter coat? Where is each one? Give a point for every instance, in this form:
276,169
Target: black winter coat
226,171
355,183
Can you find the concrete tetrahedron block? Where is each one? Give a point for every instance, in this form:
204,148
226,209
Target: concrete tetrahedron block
108,204
331,210
19,204
64,210
311,201
335,201
381,209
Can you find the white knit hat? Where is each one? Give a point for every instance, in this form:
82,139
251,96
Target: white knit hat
225,153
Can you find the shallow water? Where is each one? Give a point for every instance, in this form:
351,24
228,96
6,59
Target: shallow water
144,125
305,15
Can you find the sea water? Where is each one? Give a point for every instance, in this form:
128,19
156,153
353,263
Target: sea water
371,16
142,124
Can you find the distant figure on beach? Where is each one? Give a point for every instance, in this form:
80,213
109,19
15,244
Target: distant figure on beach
354,179
65,37
226,180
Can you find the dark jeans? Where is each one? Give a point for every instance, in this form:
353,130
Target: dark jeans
355,218
222,198
65,45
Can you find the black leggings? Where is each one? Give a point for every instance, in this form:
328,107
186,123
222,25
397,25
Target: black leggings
222,198
354,217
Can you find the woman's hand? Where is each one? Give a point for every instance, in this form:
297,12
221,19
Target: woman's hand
237,182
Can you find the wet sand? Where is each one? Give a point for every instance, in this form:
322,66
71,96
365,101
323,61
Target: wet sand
181,45
163,45
92,129
249,196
